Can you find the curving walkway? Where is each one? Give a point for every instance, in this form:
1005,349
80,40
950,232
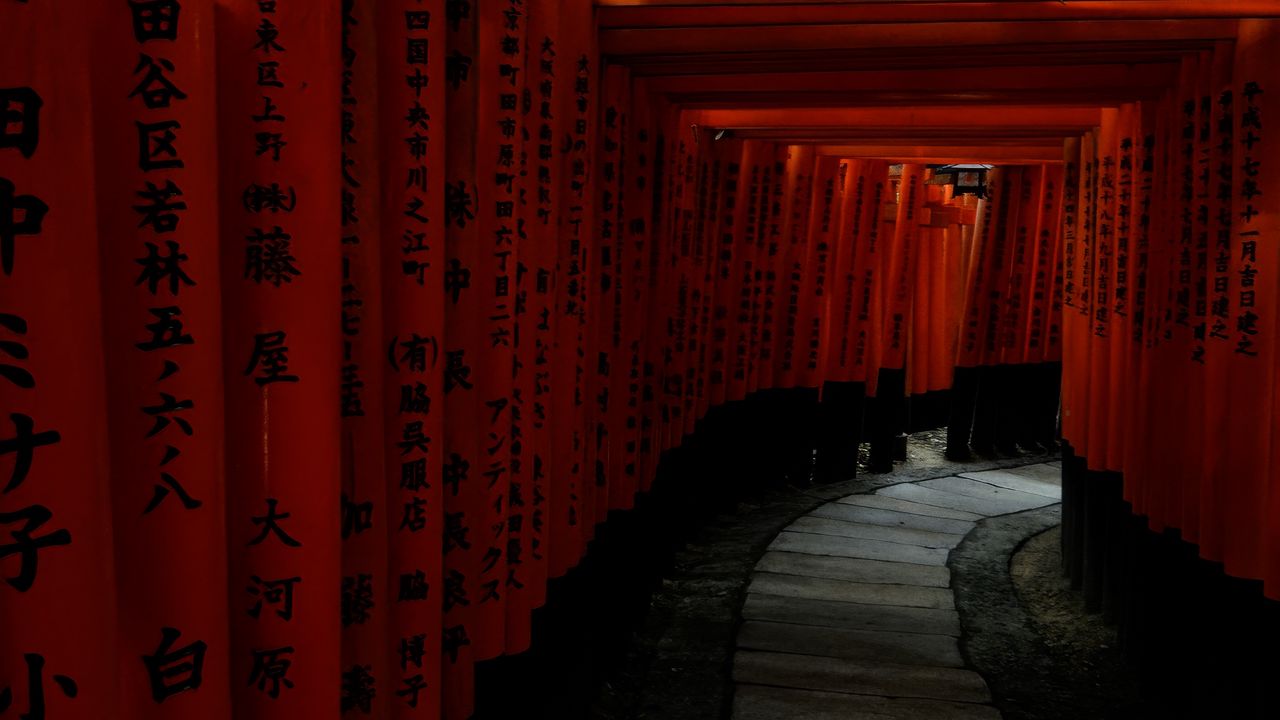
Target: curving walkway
850,612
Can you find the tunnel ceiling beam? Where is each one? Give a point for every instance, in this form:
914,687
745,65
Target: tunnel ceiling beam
993,118
938,81
946,154
1033,77
904,35
631,14
1108,97
979,59
1034,84
855,136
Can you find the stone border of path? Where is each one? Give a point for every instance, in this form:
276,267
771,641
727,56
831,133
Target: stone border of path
1000,641
679,667
850,612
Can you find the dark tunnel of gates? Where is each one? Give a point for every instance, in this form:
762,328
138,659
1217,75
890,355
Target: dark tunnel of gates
330,331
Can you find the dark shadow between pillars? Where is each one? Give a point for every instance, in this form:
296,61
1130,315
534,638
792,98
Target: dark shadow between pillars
1204,642
839,430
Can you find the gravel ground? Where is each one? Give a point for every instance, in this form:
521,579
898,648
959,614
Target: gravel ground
1101,682
1027,633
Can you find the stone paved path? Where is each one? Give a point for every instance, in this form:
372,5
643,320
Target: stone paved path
850,613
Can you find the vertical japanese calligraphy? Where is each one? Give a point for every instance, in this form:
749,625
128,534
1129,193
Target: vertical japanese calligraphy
280,98
163,320
365,510
57,623
500,82
532,454
464,487
411,125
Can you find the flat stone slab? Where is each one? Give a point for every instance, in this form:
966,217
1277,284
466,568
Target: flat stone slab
942,498
869,645
906,506
1017,481
1055,463
988,491
857,570
865,531
850,613
891,518
798,586
1040,471
754,702
850,616
808,672
850,547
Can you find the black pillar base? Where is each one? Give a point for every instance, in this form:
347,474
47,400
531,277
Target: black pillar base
799,431
964,395
928,410
1011,383
887,418
840,431
1204,642
986,412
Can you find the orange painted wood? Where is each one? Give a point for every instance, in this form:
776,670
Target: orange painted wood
569,474
166,401
1250,498
990,118
465,495
366,606
816,265
1048,79
684,13
281,344
57,601
790,267
605,368
745,261
902,260
626,42
871,247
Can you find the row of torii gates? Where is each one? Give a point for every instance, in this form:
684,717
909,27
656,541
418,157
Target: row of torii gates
330,331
